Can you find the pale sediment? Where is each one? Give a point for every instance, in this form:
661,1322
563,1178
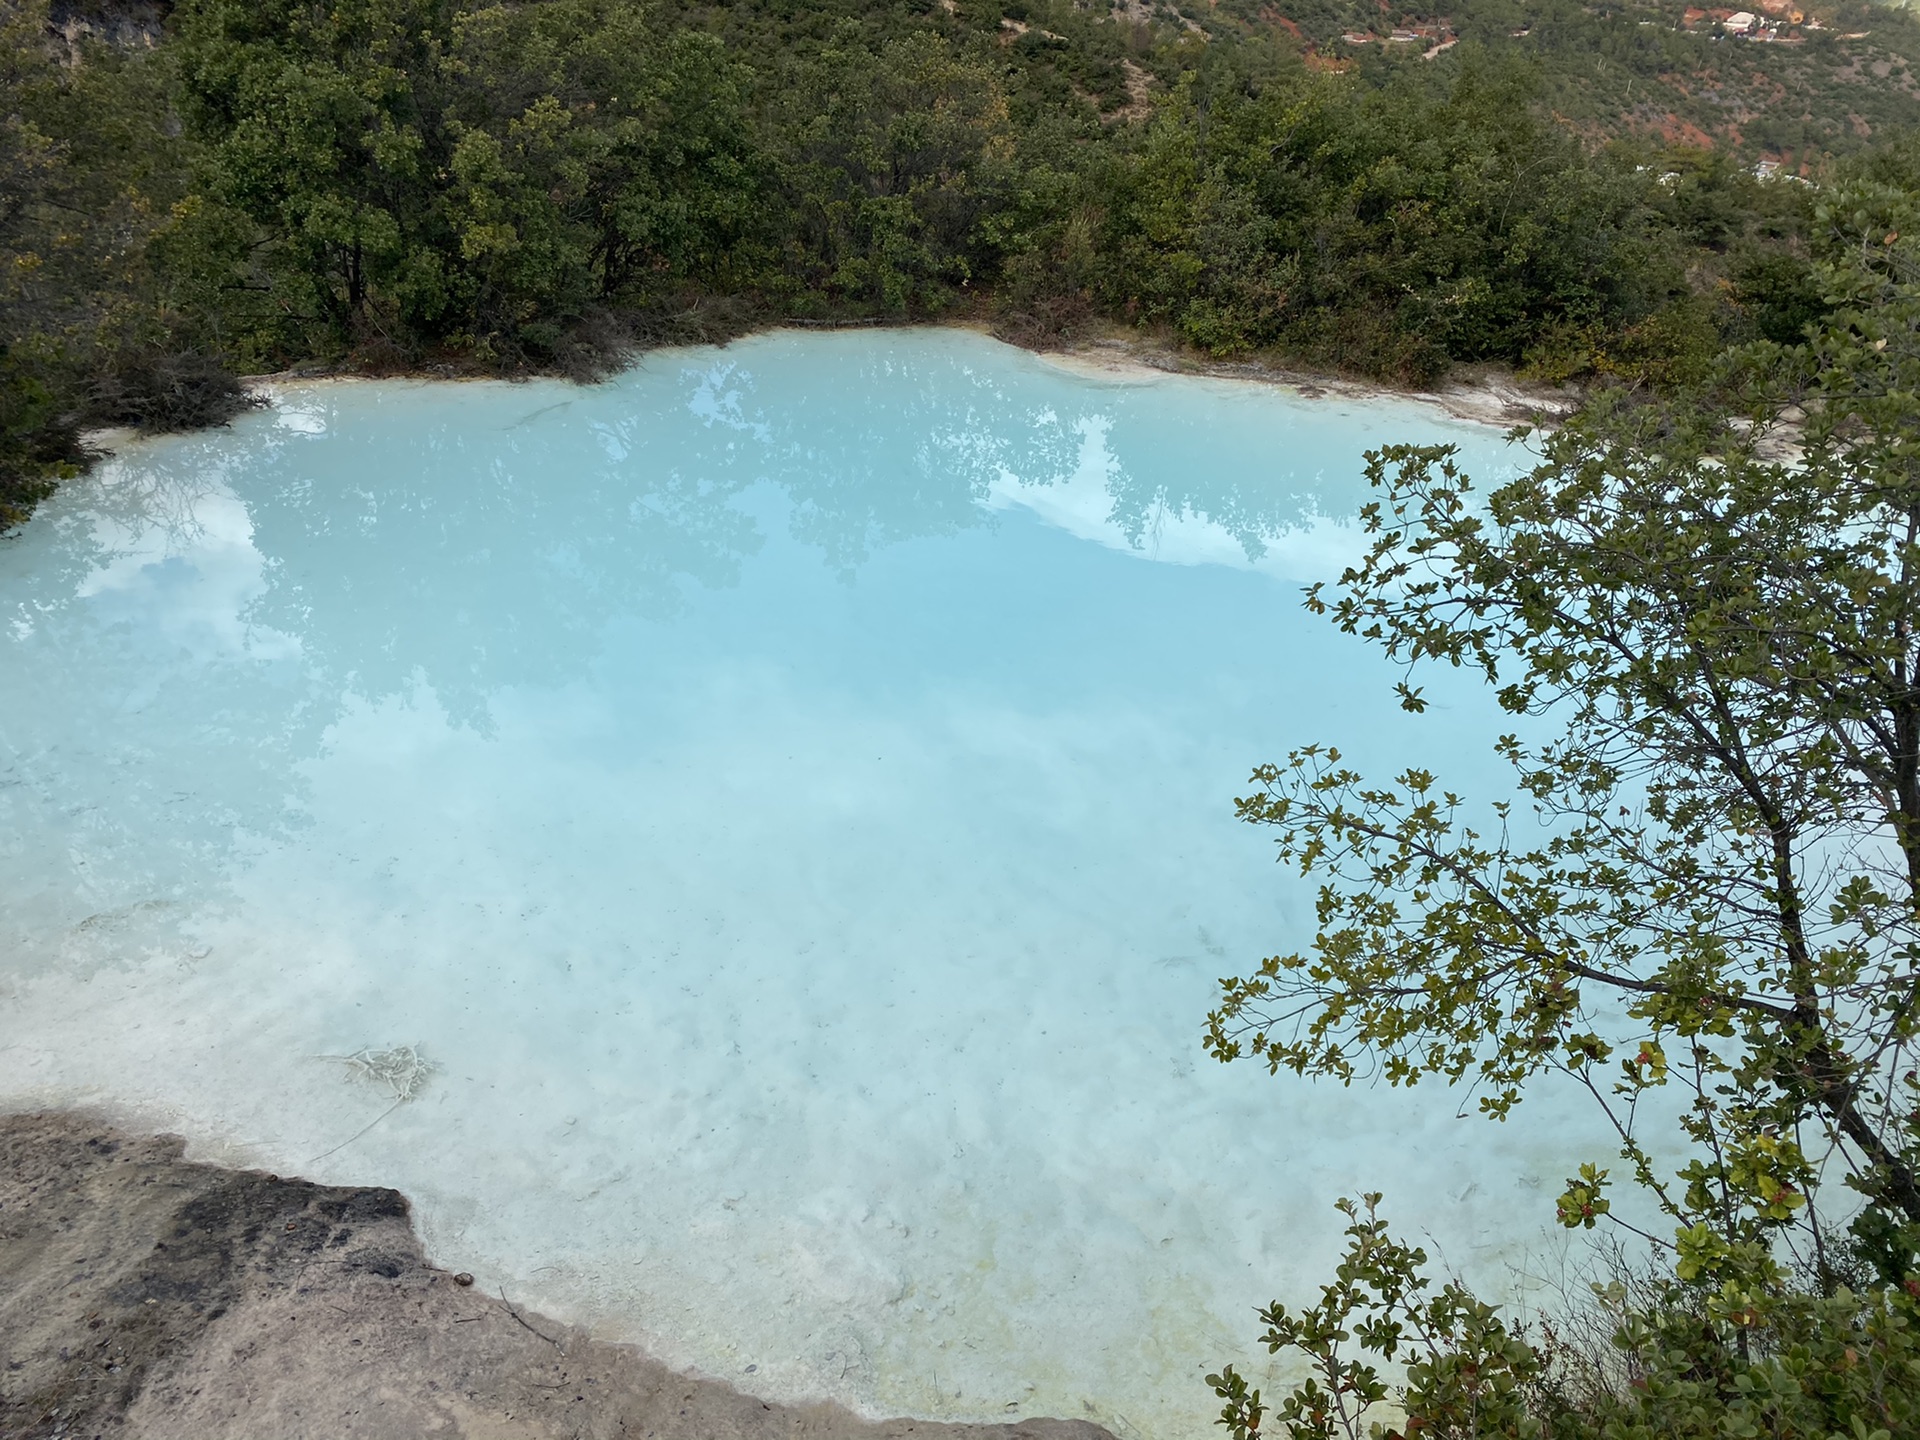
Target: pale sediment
1479,394
145,1296
1484,395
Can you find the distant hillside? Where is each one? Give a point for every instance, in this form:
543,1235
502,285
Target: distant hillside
1806,77
1801,77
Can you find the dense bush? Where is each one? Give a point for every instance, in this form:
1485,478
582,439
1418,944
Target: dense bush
1655,1360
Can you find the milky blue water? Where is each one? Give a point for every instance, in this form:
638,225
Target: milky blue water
784,795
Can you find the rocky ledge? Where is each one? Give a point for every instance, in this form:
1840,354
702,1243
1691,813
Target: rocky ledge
144,1296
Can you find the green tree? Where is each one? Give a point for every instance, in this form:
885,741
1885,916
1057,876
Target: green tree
89,172
891,159
1729,634
1717,597
1391,231
324,126
599,151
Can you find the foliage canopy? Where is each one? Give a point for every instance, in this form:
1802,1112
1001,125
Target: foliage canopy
1709,606
507,186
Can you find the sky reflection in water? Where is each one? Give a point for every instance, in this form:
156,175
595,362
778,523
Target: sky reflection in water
786,794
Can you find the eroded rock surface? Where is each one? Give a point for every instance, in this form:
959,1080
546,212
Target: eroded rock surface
144,1296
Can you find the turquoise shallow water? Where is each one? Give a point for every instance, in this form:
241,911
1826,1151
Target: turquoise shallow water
785,796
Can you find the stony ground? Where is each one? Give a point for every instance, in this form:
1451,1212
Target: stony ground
146,1298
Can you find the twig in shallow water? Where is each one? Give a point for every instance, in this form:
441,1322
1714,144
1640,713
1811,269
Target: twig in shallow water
358,1133
403,1070
523,1324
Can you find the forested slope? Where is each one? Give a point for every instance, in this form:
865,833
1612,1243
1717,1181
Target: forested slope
219,186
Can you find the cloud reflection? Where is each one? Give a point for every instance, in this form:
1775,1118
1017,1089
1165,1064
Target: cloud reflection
366,543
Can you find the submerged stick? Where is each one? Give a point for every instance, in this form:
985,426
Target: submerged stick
403,1070
358,1133
524,1325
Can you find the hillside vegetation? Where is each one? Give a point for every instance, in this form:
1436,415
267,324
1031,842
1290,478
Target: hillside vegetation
193,190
